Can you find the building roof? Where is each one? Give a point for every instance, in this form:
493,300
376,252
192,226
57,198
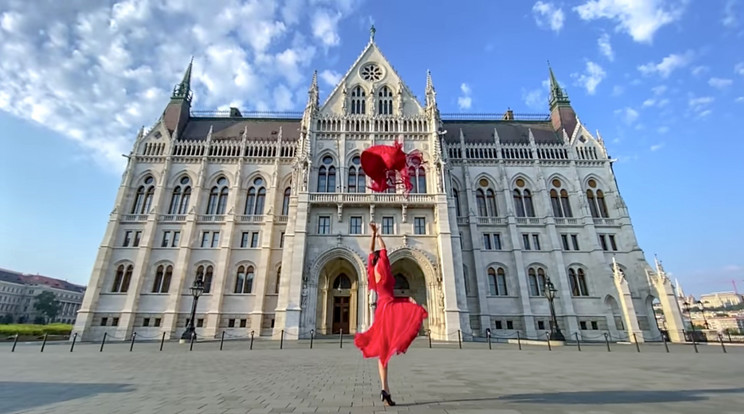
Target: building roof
225,128
510,132
26,279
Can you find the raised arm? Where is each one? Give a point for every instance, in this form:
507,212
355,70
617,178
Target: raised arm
373,226
382,242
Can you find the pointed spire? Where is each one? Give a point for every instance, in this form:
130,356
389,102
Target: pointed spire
558,96
372,32
183,89
431,94
429,83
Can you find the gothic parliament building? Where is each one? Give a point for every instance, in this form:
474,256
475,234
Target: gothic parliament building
273,214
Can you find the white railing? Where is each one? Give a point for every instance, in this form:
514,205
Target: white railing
251,218
489,220
211,218
134,217
463,220
282,219
528,220
173,217
604,222
369,198
568,221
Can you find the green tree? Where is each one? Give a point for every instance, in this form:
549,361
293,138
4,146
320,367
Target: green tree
47,304
7,319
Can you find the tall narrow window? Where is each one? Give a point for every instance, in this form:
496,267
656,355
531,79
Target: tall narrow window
183,207
417,177
491,198
358,101
596,199
385,101
127,278
456,197
577,279
240,280
218,197
324,225
559,200
388,225
536,278
208,280
278,279
355,225
357,180
143,197
518,203
254,202
497,281
480,201
285,201
327,176
159,273
175,200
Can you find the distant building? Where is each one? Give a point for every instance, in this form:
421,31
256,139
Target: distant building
726,324
722,299
18,292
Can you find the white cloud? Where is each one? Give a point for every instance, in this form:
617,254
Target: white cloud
330,77
96,72
628,115
739,99
654,102
657,147
548,16
537,99
739,68
649,102
729,14
591,78
325,27
698,104
658,90
464,101
699,70
667,65
720,83
605,47
618,90
662,129
639,18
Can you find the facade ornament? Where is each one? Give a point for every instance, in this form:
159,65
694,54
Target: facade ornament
403,213
344,100
401,103
340,212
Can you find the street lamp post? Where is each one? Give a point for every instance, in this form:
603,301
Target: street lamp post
702,309
196,290
555,330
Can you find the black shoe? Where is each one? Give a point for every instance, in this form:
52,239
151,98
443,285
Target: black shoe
386,398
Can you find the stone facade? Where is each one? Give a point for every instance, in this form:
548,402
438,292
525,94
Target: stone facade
273,212
18,292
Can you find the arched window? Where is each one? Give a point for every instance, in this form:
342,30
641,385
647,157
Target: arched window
180,198
523,200
491,200
357,101
143,198
497,281
122,279
401,283
417,177
456,196
206,275
175,200
536,279
578,282
218,197
596,199
357,182
285,201
327,176
244,280
162,281
342,282
480,200
559,200
278,279
254,202
183,207
391,183
385,101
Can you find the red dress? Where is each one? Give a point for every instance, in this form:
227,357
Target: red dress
381,163
397,320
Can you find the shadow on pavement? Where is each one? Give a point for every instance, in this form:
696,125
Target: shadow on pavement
45,393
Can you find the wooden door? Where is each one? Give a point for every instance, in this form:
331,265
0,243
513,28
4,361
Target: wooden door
340,314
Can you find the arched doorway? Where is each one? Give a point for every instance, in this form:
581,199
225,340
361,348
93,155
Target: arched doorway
614,312
338,298
410,282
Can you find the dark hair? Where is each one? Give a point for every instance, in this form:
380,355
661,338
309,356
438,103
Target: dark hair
376,257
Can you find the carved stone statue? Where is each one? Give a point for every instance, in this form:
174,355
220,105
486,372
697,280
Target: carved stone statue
344,100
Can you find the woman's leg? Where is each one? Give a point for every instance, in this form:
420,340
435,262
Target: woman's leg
383,376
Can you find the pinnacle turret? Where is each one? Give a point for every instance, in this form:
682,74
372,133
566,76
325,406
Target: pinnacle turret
558,96
183,89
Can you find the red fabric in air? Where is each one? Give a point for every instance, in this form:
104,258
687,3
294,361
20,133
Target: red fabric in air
397,320
382,162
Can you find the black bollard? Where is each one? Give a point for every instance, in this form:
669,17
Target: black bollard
429,335
312,336
635,339
488,335
193,337
578,342
131,344
281,340
43,344
161,341
720,339
607,341
459,338
547,335
251,339
729,335
341,338
103,341
15,341
666,346
519,340
694,343
74,338
222,340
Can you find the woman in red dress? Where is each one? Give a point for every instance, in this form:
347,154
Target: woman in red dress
397,320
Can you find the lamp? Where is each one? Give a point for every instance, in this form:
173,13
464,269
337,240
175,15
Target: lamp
549,291
196,290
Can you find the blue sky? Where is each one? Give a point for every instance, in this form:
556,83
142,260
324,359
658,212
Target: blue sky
662,80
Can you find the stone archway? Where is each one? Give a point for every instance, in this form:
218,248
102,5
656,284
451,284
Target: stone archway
338,299
616,323
411,282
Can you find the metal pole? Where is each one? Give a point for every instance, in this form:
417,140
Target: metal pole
341,338
131,345
162,340
429,335
15,341
488,334
635,339
663,337
281,340
547,335
312,336
729,335
578,342
607,341
74,338
191,345
519,340
222,340
720,339
459,338
103,341
252,339
43,344
694,341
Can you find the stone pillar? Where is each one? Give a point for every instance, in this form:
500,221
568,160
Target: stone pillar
670,306
626,306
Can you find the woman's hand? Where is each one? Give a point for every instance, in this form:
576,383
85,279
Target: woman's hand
412,300
373,226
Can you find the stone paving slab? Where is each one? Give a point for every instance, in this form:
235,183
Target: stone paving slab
327,379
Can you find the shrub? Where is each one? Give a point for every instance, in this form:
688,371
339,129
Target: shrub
35,330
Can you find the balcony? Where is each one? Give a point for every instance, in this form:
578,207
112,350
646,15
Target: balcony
133,218
490,220
210,218
173,218
251,218
463,221
281,219
605,222
528,221
567,222
371,198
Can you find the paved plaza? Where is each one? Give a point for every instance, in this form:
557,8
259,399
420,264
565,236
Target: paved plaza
327,379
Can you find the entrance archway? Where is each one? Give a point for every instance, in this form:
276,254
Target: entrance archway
410,282
338,300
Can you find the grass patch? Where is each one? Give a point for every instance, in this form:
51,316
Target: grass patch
32,330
